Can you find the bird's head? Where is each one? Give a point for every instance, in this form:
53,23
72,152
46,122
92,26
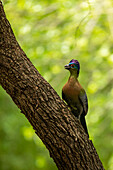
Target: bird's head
73,67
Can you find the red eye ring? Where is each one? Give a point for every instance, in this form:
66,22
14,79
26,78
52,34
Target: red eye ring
72,65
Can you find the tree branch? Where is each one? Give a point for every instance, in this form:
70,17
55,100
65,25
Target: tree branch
56,126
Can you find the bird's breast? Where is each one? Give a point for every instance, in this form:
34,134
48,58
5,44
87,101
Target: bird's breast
71,90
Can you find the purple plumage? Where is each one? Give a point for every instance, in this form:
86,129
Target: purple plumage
77,64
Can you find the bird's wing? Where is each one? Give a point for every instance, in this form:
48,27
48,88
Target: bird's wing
84,100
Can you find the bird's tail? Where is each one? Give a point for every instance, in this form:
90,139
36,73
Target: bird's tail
83,122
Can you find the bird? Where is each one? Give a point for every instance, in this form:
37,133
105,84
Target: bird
74,94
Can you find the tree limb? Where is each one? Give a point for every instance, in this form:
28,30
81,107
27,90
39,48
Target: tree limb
56,126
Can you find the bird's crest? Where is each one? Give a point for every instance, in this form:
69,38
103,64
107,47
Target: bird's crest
73,61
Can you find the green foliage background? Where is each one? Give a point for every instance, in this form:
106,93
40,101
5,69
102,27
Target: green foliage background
52,32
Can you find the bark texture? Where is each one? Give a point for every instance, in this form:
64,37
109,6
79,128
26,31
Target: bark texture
59,130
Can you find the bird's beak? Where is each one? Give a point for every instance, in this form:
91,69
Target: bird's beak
67,66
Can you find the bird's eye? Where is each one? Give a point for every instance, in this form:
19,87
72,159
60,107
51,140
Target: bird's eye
72,65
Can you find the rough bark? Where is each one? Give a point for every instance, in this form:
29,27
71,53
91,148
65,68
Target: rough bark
56,126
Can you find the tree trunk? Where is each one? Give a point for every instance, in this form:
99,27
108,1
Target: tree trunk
59,129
